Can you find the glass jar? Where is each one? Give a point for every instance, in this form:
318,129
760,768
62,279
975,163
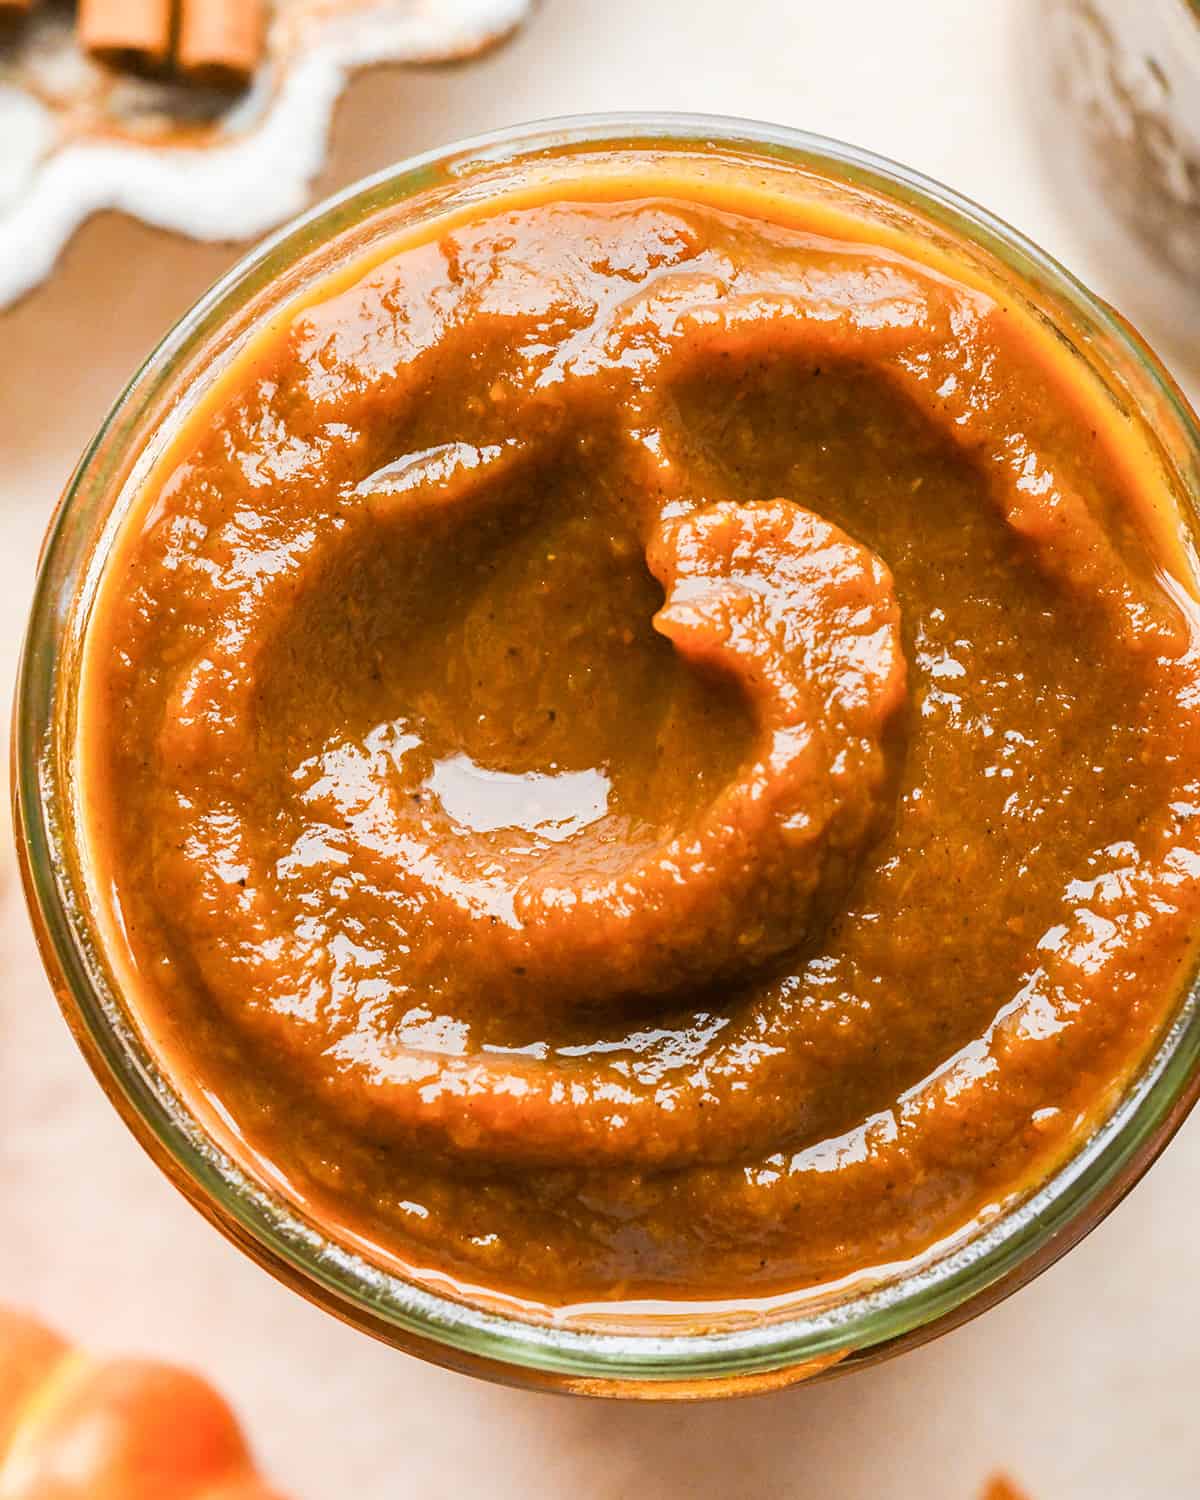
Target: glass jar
669,1350
1118,98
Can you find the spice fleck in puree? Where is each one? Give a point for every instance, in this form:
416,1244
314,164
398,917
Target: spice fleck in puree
645,744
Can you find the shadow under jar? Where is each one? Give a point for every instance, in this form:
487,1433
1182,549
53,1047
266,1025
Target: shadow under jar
606,762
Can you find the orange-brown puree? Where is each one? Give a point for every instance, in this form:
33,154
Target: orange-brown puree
645,750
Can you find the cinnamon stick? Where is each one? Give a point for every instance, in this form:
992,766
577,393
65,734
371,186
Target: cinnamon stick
220,41
126,33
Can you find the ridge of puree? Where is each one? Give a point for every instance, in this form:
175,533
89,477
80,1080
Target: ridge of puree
637,746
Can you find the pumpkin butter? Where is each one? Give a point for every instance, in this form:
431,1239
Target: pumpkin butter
640,743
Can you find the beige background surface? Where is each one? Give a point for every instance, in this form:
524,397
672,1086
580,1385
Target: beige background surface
1082,1386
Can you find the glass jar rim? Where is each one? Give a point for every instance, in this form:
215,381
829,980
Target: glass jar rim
1002,1255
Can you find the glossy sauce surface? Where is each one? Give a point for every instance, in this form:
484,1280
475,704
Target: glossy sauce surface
645,751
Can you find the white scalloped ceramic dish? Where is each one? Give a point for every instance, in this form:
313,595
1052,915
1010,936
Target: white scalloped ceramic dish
78,139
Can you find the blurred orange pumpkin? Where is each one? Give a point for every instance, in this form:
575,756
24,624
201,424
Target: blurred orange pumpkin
77,1428
999,1488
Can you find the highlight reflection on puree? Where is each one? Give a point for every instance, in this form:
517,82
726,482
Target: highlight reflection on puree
646,750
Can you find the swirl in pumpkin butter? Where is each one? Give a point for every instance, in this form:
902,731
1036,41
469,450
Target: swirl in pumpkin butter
634,747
